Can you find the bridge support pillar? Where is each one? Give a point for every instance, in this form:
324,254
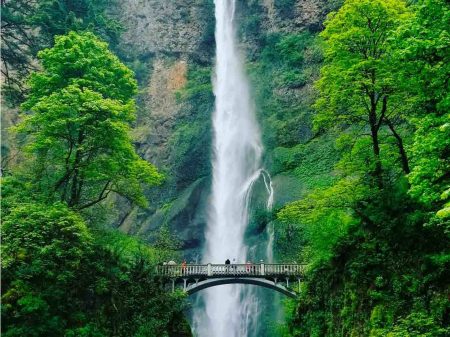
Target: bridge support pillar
299,284
173,285
209,269
275,280
287,282
184,284
196,281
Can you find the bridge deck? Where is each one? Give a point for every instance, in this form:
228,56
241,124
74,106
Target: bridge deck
261,270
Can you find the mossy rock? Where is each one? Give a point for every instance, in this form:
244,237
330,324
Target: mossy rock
184,215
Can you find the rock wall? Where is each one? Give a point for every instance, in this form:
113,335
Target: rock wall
162,41
291,15
159,108
159,27
167,41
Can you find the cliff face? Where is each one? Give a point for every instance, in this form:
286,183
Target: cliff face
161,42
290,15
170,45
164,27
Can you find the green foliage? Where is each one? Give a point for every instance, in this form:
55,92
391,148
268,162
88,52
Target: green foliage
325,216
82,60
45,247
378,259
379,272
290,55
426,46
292,50
191,137
288,64
79,129
311,162
416,324
358,80
167,245
58,17
21,19
61,279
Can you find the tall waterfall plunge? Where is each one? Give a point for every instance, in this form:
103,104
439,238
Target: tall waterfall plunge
230,310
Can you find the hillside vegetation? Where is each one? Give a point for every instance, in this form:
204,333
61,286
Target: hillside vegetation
376,237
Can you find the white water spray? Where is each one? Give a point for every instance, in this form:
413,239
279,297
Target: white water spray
270,227
230,311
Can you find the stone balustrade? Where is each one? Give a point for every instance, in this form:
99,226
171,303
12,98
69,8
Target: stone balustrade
230,270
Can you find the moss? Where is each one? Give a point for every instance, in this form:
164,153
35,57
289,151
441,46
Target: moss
282,80
190,157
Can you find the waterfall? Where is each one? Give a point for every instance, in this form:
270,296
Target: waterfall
269,188
229,310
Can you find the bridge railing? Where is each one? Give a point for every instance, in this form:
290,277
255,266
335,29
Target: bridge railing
217,270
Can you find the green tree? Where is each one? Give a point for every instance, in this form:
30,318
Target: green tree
61,278
324,217
22,19
81,106
358,80
45,249
376,269
426,46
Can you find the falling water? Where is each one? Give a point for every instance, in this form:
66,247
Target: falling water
269,206
229,310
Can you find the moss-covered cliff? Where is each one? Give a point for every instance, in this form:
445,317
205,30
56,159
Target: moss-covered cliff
171,47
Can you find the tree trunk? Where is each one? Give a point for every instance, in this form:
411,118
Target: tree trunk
374,127
74,188
376,151
76,181
401,148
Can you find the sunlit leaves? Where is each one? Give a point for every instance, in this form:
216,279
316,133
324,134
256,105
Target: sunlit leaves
325,215
79,129
425,44
61,279
376,251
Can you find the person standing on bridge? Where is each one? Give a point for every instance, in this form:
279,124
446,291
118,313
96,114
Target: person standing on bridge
183,267
227,265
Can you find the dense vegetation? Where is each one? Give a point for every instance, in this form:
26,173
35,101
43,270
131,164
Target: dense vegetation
64,273
61,278
376,239
21,19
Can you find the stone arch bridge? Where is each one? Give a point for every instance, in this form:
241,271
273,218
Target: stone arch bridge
284,278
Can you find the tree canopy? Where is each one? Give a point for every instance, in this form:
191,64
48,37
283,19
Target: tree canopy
358,84
60,278
78,131
426,47
29,26
376,239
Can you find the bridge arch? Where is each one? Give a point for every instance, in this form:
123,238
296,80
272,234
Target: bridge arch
208,283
